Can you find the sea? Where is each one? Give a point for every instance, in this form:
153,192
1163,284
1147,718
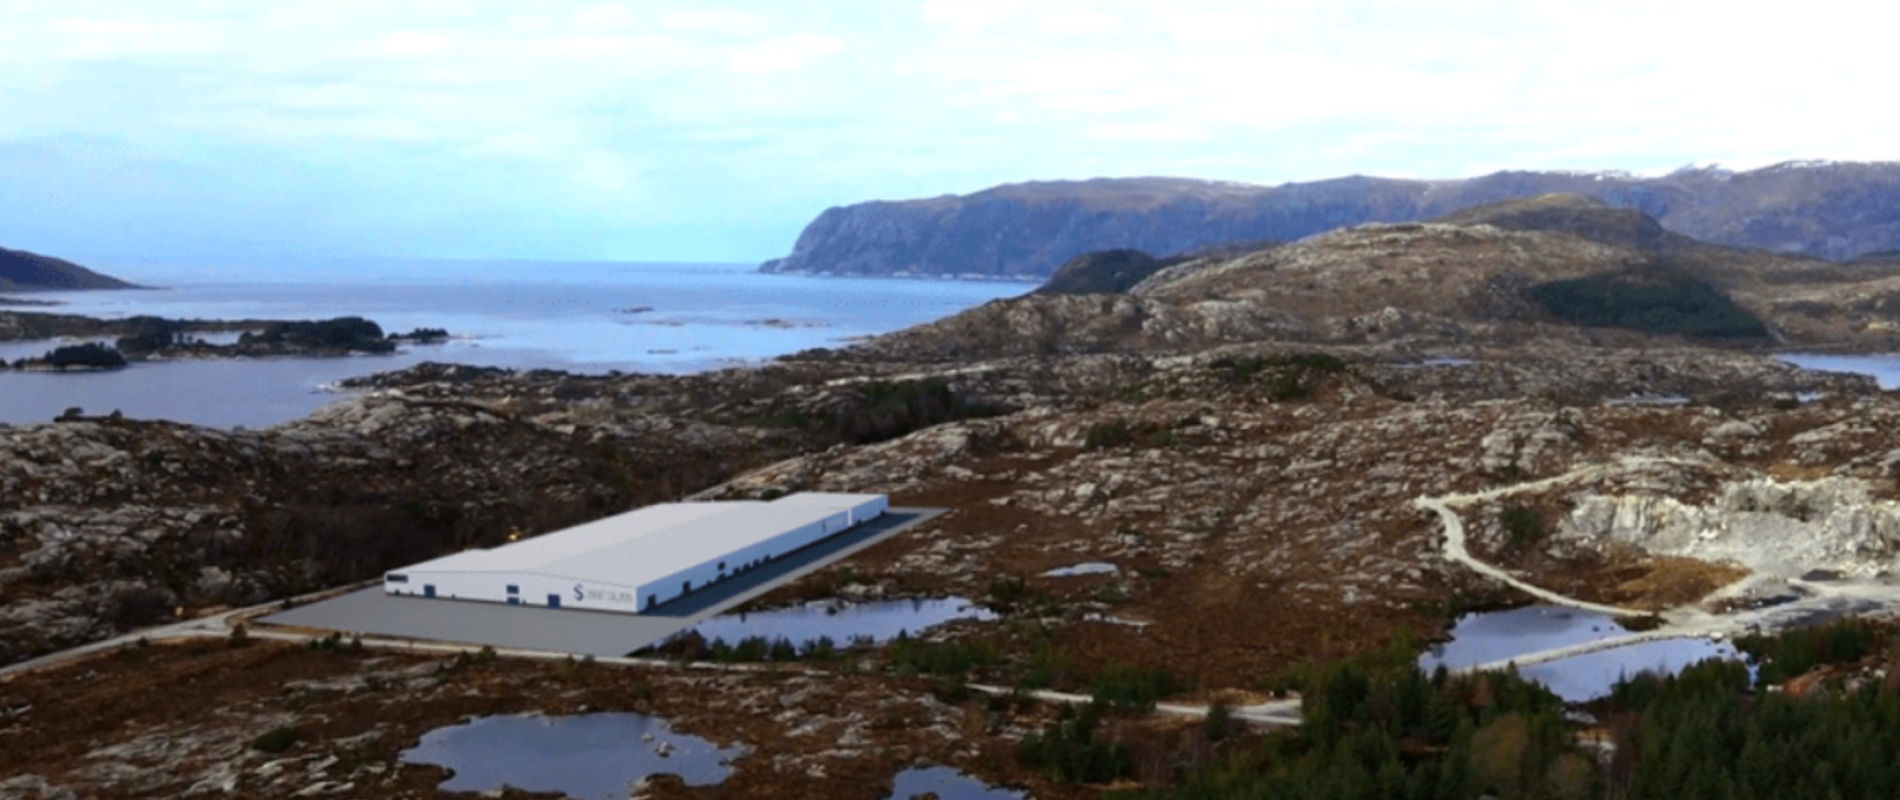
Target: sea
586,317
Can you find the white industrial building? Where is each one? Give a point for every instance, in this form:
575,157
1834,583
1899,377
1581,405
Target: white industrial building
641,559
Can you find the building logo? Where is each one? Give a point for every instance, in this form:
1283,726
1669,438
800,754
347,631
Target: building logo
583,594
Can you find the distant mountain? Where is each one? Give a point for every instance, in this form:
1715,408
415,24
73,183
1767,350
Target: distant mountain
1837,211
23,271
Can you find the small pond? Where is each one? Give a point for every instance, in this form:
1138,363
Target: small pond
1084,568
1436,361
946,784
1494,636
1592,675
1648,400
583,756
1882,368
842,621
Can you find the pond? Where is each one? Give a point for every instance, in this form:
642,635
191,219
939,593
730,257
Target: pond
1647,400
1435,361
1084,568
1592,675
583,756
1884,369
841,621
1495,636
946,784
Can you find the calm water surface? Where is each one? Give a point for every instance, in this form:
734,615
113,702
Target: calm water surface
1883,368
583,756
947,784
879,621
1493,636
582,317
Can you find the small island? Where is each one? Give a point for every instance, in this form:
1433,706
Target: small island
88,357
149,338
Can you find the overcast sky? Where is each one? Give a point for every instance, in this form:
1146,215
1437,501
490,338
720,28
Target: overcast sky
686,131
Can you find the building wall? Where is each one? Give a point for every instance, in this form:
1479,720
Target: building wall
536,589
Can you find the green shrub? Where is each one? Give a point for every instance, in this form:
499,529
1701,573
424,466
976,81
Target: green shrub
1219,721
1104,435
1794,653
886,410
1522,526
941,658
1067,750
275,740
1131,687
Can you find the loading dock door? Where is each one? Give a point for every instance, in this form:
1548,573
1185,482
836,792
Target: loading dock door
428,590
554,601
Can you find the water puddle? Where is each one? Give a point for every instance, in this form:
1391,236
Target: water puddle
842,622
1884,369
1648,400
1437,361
582,756
1084,568
946,784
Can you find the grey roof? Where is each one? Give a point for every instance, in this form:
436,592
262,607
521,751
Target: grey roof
581,632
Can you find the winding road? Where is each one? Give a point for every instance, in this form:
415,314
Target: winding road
1689,621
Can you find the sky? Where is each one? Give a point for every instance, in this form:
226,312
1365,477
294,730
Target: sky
694,131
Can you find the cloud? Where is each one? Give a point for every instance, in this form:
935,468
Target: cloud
671,128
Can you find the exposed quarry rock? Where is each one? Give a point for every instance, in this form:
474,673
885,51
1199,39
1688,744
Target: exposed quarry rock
1784,528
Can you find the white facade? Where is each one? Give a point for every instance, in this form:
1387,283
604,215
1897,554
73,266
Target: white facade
643,558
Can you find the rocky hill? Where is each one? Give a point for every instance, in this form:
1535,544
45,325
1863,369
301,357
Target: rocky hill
1555,267
1836,211
23,271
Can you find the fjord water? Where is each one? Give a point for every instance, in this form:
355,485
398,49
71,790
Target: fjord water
580,317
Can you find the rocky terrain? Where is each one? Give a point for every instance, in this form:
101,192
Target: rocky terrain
1243,436
23,271
1494,275
109,523
1836,211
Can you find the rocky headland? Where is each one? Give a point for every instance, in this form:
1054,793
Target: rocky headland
1832,210
24,271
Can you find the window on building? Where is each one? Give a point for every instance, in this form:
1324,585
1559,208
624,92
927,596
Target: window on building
396,577
513,589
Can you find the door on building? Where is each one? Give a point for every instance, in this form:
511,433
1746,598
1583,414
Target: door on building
554,601
428,590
